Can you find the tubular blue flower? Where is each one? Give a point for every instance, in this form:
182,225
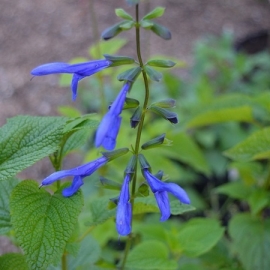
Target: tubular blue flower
161,189
79,71
123,214
110,124
78,172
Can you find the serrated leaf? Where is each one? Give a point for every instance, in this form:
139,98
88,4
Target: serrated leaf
199,235
153,74
251,241
43,223
160,63
235,190
6,187
155,13
150,255
256,146
123,14
27,139
12,261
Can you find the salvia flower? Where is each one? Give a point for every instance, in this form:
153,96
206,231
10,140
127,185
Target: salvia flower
161,189
110,124
78,173
124,212
79,71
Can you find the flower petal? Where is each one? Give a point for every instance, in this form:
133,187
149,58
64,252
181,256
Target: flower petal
83,170
51,68
74,85
157,185
124,212
74,187
163,202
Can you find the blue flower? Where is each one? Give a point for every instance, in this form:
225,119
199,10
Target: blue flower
161,189
109,126
79,71
124,212
79,173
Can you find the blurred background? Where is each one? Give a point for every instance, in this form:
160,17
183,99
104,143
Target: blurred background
37,32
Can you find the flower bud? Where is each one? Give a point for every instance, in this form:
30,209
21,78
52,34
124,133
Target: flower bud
119,60
156,142
143,162
130,74
115,154
130,169
136,117
170,116
160,63
153,74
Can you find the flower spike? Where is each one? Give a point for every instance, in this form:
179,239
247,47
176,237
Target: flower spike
79,71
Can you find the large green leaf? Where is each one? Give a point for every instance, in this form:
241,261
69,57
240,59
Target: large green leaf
43,223
27,139
256,146
199,235
12,261
6,186
150,255
251,241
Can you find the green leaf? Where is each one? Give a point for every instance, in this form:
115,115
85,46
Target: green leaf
6,187
145,205
251,241
199,235
100,211
155,13
256,146
160,63
127,25
146,24
161,31
130,74
123,14
112,31
43,223
153,74
12,261
150,255
88,254
119,60
107,47
27,139
258,200
235,190
178,208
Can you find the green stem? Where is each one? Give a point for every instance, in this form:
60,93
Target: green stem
64,262
139,130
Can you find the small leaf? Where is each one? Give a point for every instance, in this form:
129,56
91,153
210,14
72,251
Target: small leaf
112,31
43,223
167,103
109,184
154,142
127,25
12,261
119,60
150,255
204,232
166,114
153,74
6,187
155,13
131,103
251,241
27,139
161,31
129,75
146,24
161,63
256,146
136,117
123,14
